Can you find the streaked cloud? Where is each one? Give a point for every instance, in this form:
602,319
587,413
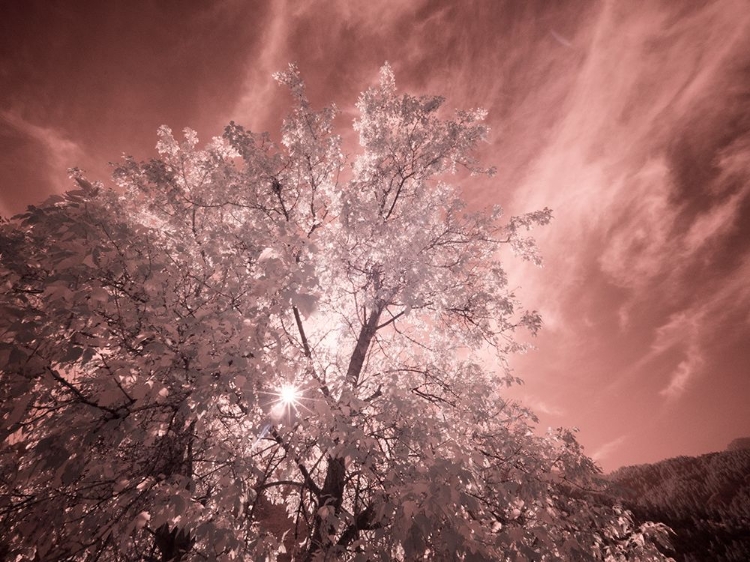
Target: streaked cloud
45,150
604,451
538,405
682,375
60,150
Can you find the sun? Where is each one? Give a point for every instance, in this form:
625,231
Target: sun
289,395
286,401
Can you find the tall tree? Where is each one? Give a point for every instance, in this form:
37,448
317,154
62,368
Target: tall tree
249,323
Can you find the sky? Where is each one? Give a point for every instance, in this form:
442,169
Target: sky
631,120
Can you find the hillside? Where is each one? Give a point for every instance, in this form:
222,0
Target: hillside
705,500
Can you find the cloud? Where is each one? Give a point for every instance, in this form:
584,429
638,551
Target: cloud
260,90
541,406
730,190
682,375
641,233
61,152
334,64
647,170
692,333
606,169
378,16
560,39
696,328
608,448
715,223
38,160
683,331
681,328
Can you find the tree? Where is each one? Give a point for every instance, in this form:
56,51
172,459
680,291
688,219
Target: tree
739,444
705,500
252,322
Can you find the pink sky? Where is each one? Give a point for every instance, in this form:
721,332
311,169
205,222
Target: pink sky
630,119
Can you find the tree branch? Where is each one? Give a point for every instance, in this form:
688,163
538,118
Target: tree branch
393,319
305,473
308,353
366,333
302,335
81,397
280,483
364,521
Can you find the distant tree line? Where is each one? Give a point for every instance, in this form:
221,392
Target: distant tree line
705,500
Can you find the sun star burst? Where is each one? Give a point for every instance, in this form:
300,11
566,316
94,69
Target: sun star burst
289,395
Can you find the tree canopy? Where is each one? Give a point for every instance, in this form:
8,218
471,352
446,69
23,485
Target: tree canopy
252,323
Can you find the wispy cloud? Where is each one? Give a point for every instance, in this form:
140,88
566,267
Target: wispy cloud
692,330
289,38
259,89
61,150
542,406
619,171
682,375
606,167
608,448
51,152
681,328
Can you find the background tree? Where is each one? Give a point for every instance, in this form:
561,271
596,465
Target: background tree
705,500
252,322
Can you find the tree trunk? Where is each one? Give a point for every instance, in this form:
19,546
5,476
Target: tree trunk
363,345
173,544
332,493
